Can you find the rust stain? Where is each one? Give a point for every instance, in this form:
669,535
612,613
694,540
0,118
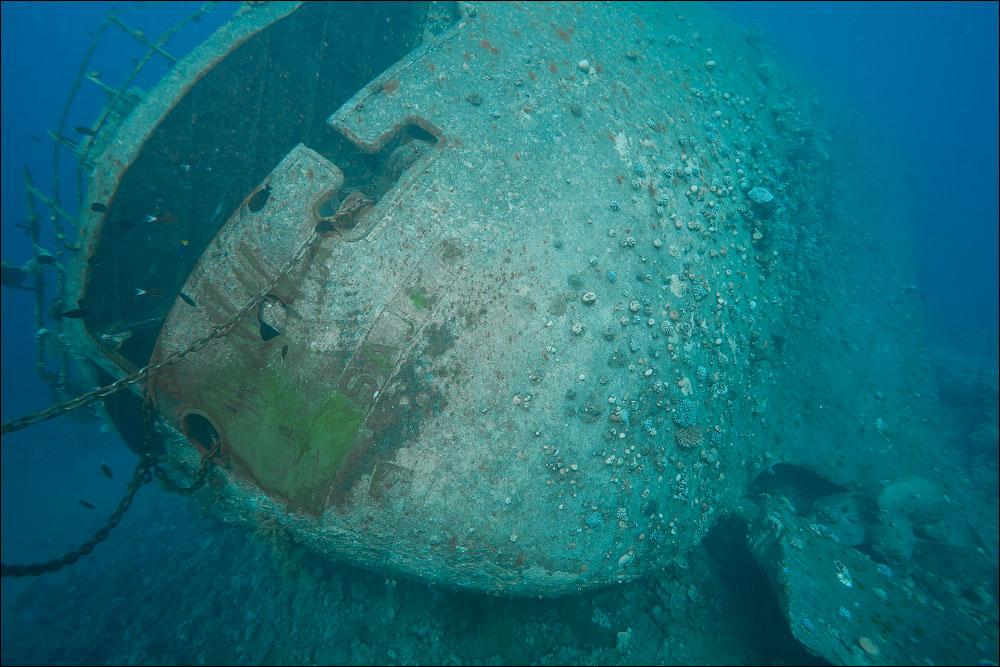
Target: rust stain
553,68
485,43
562,34
391,85
533,77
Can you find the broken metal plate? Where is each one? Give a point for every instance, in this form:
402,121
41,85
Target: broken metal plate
850,609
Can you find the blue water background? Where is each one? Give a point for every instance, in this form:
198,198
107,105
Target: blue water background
922,79
47,468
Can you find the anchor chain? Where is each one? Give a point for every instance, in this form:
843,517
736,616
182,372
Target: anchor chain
139,477
217,331
144,471
148,466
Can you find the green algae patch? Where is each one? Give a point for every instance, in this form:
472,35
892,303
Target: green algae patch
419,297
292,447
381,356
335,430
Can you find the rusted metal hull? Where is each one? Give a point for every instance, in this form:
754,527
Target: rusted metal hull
531,351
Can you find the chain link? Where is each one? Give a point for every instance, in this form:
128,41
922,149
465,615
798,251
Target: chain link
199,481
139,477
148,466
173,358
144,471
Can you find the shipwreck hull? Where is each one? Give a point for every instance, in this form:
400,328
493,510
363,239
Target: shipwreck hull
498,296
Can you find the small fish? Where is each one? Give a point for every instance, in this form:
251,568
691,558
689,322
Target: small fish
215,213
83,129
95,261
94,73
185,168
152,291
284,351
86,504
164,216
45,258
98,207
123,222
36,139
76,313
188,300
106,469
258,201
